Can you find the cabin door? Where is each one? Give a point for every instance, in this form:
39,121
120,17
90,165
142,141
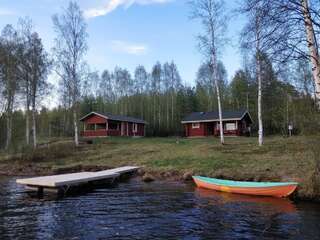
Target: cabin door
210,129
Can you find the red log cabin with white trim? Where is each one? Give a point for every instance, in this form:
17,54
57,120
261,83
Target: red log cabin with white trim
103,125
202,124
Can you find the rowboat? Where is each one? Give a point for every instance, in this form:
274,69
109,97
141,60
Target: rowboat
274,189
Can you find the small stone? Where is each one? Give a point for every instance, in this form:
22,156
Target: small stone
187,176
140,172
148,178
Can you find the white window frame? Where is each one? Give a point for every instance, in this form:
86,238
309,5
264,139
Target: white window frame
195,125
231,126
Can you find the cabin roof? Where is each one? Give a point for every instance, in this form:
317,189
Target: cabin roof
114,117
214,116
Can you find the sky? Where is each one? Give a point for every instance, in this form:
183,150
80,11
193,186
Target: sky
127,33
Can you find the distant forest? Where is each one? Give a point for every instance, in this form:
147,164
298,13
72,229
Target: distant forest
158,95
162,98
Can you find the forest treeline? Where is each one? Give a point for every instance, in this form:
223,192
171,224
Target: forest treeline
162,98
158,95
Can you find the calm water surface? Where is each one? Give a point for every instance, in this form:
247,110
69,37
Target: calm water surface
135,210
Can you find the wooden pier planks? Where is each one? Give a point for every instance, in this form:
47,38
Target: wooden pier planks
72,179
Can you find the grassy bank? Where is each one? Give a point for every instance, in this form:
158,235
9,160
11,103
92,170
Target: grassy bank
280,159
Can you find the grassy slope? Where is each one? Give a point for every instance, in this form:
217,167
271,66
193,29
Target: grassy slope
280,159
239,158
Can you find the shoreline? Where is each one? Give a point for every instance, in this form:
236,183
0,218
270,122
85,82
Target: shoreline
147,175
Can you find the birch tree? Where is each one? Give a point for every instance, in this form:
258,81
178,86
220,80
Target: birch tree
174,85
140,80
156,75
10,50
33,72
255,36
106,87
70,48
313,46
211,15
293,28
24,30
39,66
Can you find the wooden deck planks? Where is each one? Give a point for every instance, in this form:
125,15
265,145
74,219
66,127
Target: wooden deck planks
120,170
72,179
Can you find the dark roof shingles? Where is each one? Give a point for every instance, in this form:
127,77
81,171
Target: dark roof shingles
203,116
123,118
116,118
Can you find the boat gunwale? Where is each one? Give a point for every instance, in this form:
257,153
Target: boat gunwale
235,184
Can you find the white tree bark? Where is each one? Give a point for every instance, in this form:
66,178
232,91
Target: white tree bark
259,100
34,133
9,121
259,77
27,125
313,49
214,76
9,130
75,125
220,113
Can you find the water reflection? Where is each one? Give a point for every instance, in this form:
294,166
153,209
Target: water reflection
135,210
280,205
250,216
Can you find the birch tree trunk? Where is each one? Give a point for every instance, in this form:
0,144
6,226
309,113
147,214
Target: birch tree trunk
75,125
313,48
154,111
259,76
159,113
34,133
260,122
172,108
9,130
214,76
167,100
27,123
9,122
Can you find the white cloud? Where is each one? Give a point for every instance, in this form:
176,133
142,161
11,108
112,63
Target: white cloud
6,12
113,4
129,48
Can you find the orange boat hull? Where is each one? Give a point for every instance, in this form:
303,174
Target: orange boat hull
278,191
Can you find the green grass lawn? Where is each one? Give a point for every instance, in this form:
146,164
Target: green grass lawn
290,157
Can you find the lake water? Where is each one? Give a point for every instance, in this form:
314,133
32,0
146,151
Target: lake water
136,210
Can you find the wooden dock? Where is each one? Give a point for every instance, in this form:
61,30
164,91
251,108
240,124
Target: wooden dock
63,182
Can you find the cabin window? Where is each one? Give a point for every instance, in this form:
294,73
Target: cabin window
90,127
135,127
101,126
195,125
113,126
231,126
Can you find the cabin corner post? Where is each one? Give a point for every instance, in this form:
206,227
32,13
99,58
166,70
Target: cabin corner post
127,129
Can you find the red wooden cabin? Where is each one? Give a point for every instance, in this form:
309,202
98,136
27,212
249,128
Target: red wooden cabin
103,125
202,124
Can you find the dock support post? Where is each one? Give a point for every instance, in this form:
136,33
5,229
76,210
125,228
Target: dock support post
40,191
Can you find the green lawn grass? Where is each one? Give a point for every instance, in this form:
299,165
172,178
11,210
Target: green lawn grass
290,157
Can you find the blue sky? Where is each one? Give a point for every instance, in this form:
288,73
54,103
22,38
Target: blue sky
130,32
